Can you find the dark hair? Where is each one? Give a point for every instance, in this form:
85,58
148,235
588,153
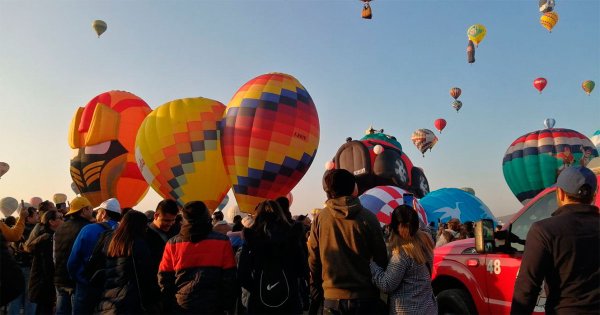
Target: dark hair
197,221
31,211
218,215
113,215
338,183
237,218
125,210
169,206
585,195
406,237
408,220
10,221
284,203
269,220
47,216
44,206
132,226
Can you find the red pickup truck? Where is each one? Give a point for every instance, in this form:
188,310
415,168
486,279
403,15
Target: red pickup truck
466,281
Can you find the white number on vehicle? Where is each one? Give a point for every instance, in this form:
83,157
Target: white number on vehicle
493,266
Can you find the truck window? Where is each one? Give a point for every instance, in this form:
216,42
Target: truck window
540,210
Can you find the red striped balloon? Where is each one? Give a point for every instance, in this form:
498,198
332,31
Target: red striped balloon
382,200
455,92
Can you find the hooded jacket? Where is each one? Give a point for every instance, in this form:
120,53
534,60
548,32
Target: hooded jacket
64,238
343,239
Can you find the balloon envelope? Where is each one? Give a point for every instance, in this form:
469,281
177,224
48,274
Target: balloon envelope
540,84
4,167
476,33
455,92
178,149
470,52
270,135
382,200
546,5
533,161
223,204
549,123
468,189
8,205
447,203
588,86
457,105
424,139
548,20
596,140
102,135
440,124
35,201
99,27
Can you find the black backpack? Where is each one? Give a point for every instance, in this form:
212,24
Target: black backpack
93,269
273,285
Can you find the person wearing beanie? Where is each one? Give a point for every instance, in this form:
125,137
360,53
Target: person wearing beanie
344,238
564,250
197,274
78,216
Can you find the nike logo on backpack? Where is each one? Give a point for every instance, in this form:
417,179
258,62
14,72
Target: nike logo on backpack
269,286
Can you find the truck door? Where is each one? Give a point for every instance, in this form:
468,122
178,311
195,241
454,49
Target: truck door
502,267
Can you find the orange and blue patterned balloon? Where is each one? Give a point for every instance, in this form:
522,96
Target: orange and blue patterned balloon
178,150
270,135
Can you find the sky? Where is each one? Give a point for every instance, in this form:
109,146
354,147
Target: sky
393,72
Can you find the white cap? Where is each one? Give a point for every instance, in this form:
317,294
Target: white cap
111,204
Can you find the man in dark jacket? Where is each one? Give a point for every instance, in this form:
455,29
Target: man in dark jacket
160,230
78,216
343,239
564,250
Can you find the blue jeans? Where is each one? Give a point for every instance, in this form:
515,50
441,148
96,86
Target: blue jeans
14,307
64,299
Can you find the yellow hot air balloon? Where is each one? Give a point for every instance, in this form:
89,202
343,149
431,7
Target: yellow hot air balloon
549,20
178,150
476,33
99,26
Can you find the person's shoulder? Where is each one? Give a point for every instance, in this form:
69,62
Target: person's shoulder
217,236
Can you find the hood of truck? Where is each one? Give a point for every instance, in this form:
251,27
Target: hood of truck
455,247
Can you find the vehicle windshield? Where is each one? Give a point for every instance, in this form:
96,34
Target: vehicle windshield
540,210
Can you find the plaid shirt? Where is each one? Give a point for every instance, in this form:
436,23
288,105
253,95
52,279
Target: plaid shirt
408,285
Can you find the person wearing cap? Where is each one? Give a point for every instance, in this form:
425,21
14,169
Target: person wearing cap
564,250
107,218
197,274
343,239
78,216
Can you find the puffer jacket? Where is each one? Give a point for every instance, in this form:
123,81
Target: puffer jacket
41,284
63,243
124,293
198,277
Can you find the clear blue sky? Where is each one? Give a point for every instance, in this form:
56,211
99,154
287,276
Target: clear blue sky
393,71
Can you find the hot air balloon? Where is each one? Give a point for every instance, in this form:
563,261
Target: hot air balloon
270,135
476,33
447,203
457,105
540,84
366,11
549,123
8,205
546,6
533,161
75,188
470,52
178,150
455,92
549,20
4,167
469,190
103,135
223,204
595,138
440,124
290,197
99,26
588,86
35,201
382,200
424,139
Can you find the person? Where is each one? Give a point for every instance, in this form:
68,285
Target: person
14,233
150,215
449,234
160,230
12,283
41,281
237,223
24,259
219,223
129,279
272,256
407,278
86,296
344,237
564,250
197,273
78,216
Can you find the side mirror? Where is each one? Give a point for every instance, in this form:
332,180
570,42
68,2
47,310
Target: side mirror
484,236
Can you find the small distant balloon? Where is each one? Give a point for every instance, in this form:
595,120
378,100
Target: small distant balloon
457,105
540,84
470,52
469,190
455,92
4,167
440,124
549,20
588,86
549,123
35,201
424,139
366,11
476,33
99,26
8,205
75,188
546,6
59,198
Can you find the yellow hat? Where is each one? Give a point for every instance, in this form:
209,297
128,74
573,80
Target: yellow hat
77,204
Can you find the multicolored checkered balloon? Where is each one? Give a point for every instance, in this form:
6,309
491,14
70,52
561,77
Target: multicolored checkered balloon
270,135
382,200
178,150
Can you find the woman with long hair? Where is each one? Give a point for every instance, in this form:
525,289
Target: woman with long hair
271,262
407,278
129,284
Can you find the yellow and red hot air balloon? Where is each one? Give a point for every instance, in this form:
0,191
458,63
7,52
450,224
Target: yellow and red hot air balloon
178,150
366,11
270,135
103,136
455,92
424,139
548,20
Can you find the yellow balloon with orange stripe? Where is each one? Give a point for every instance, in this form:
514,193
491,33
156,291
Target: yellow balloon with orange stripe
549,20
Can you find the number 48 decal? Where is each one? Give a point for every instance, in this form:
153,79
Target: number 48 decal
493,266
